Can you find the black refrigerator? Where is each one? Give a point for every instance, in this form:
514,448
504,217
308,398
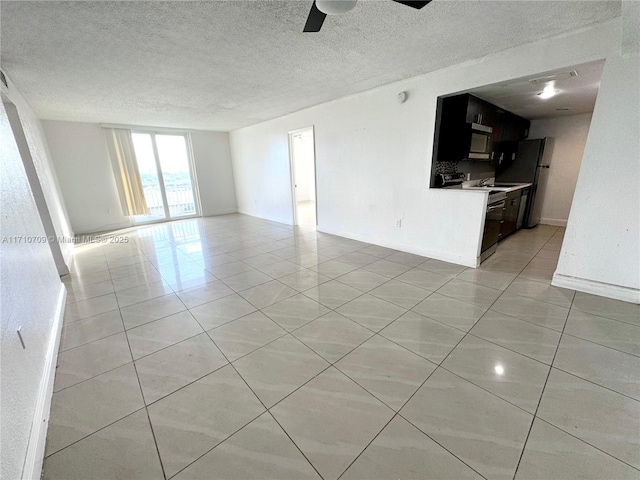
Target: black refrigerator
531,165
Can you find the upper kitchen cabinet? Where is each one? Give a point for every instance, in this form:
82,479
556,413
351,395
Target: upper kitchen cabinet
479,111
469,128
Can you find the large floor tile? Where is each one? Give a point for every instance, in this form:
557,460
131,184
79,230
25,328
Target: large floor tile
88,406
479,428
90,329
91,359
159,334
358,259
167,370
230,269
304,280
332,420
552,453
258,451
135,280
599,416
84,292
458,314
403,451
154,309
90,307
123,450
266,294
245,280
193,420
541,291
399,293
245,335
333,268
408,259
142,293
280,269
332,294
596,363
135,269
424,279
386,268
607,307
532,340
221,311
610,333
371,312
332,336
363,280
203,294
426,337
470,292
386,370
279,368
443,268
509,375
497,280
534,311
295,311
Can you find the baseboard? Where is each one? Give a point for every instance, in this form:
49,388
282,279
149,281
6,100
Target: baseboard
555,222
472,262
617,292
226,211
35,449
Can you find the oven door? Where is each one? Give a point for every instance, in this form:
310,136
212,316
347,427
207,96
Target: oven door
492,225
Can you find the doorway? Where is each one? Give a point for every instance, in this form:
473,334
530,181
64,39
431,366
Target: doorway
164,162
303,176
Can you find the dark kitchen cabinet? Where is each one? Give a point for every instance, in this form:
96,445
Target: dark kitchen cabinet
510,214
454,117
480,111
507,133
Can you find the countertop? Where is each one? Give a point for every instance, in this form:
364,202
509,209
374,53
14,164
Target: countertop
487,189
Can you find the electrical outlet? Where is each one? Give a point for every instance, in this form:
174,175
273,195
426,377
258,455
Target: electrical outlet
399,223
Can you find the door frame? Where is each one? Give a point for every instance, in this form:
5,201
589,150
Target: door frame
192,174
292,171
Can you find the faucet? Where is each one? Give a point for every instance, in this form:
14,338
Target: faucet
484,181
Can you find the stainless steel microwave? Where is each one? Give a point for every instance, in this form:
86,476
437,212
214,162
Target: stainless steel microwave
480,145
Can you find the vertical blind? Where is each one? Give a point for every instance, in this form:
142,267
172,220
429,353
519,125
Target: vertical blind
127,174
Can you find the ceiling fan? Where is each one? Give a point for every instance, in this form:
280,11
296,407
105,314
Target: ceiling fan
321,8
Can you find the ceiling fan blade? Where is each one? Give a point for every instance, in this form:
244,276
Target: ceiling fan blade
415,4
314,20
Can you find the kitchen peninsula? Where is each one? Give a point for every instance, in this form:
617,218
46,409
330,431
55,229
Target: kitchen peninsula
481,149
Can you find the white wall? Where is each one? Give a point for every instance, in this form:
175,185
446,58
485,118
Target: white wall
570,136
214,171
373,155
82,162
601,249
85,175
30,290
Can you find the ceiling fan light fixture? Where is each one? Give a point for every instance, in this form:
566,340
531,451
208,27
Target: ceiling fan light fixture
335,7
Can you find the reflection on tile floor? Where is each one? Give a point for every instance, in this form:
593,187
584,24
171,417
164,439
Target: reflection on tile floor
235,347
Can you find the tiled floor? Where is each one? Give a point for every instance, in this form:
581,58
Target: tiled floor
234,347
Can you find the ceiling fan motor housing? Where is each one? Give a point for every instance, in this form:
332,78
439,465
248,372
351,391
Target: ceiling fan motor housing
335,7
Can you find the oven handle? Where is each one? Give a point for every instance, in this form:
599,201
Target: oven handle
496,206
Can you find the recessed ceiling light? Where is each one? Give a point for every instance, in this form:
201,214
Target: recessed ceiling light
548,91
554,76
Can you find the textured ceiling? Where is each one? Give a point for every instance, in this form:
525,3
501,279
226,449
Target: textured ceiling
222,65
577,94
